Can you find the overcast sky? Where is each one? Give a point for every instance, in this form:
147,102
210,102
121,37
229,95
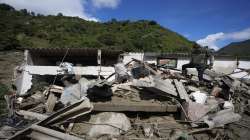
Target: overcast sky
209,22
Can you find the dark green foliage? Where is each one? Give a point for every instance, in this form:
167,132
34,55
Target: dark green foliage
60,14
107,39
25,29
3,90
236,48
6,7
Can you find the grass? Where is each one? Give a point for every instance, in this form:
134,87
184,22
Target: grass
3,90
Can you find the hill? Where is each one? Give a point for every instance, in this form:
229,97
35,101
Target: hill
236,48
22,28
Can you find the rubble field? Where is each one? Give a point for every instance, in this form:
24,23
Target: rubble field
143,102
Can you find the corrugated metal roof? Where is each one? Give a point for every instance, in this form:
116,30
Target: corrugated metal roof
72,52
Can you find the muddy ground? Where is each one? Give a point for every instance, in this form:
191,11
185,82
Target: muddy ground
8,60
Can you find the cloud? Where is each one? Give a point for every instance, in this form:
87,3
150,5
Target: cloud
106,3
212,40
241,35
53,7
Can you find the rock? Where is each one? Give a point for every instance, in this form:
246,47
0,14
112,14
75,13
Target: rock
156,85
196,111
199,97
221,118
192,88
71,94
117,124
228,105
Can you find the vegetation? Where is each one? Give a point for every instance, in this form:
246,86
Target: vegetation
20,29
237,48
3,90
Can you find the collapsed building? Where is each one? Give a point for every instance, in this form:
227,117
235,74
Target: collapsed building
100,94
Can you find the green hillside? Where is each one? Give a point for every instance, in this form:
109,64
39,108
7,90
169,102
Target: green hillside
237,48
25,29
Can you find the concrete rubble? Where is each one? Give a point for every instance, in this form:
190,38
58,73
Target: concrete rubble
142,102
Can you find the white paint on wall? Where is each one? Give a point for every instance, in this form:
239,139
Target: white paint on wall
128,57
225,66
54,70
181,62
24,81
244,64
220,65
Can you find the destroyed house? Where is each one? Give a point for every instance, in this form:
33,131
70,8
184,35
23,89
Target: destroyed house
141,102
43,63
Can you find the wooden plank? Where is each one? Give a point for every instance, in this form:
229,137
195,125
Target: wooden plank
32,115
181,90
51,102
133,107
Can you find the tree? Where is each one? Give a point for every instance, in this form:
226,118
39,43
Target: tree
59,14
107,39
24,11
32,14
6,7
8,42
152,22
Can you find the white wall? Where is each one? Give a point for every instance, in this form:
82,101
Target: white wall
220,66
225,66
128,57
182,62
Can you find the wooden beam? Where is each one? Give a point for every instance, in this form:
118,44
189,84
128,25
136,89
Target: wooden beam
51,102
133,107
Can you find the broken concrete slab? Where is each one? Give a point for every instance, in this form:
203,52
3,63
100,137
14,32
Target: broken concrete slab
71,94
23,82
156,85
117,123
221,118
196,111
212,73
181,90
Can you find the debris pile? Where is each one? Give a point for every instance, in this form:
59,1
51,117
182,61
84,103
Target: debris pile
143,102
